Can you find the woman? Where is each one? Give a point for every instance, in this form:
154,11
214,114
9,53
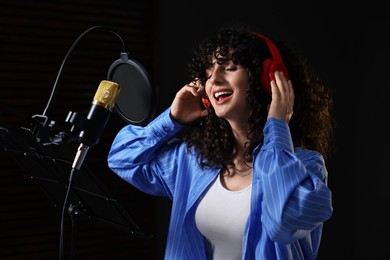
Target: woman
245,168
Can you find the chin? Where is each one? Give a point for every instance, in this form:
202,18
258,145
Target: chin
222,113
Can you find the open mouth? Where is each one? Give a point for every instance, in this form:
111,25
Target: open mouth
222,94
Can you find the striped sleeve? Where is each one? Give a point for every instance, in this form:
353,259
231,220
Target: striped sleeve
143,156
294,184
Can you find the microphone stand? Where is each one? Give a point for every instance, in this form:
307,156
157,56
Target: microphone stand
41,131
73,210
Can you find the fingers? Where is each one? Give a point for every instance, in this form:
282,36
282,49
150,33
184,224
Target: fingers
195,87
291,97
186,107
282,104
282,83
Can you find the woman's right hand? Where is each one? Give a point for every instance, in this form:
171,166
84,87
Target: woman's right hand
186,107
282,104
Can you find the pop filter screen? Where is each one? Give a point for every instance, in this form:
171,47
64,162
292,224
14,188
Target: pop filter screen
136,101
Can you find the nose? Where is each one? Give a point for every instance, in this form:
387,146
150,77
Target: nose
215,76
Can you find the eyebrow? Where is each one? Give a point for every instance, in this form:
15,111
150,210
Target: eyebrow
221,61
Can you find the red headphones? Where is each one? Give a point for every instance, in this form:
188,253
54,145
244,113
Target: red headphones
270,65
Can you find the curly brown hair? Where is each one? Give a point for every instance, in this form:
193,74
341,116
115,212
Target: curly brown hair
312,125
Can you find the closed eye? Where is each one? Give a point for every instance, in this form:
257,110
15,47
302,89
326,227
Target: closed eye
222,68
231,68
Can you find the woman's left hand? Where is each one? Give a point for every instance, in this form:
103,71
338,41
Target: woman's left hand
186,107
282,104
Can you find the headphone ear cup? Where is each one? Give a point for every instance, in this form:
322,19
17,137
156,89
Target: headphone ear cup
266,75
271,65
277,66
205,101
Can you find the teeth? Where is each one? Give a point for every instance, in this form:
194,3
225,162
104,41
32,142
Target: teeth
218,94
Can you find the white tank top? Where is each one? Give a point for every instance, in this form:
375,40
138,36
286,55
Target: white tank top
221,217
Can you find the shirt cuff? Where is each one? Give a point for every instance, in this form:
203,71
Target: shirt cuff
163,126
277,135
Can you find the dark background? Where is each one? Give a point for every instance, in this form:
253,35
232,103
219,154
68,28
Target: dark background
348,47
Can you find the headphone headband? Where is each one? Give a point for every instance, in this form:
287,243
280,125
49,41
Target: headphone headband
270,65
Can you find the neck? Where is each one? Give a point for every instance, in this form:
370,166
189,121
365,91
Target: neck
239,168
236,180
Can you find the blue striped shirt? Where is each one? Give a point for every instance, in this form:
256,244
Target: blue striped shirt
289,203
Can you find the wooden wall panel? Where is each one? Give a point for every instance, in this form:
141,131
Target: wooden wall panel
34,38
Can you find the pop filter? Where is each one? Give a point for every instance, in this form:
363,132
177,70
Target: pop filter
136,102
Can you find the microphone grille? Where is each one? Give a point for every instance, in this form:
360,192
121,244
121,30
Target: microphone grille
106,94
